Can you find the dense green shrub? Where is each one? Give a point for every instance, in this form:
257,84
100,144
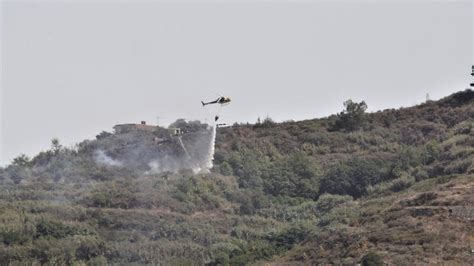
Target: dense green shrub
113,194
225,168
248,165
297,176
327,202
420,174
403,182
345,215
54,229
282,212
372,259
459,167
352,177
10,237
18,173
292,235
431,153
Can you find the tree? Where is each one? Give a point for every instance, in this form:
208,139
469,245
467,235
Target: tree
56,146
352,118
22,160
268,122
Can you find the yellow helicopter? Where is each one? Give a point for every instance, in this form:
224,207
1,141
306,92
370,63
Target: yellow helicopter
220,100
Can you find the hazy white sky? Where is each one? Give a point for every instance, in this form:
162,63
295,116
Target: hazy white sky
72,69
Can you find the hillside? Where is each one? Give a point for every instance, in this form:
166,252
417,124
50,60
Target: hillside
395,186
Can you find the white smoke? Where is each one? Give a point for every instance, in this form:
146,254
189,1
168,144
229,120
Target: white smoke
198,151
100,157
169,165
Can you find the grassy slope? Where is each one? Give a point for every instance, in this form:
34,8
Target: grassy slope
264,201
432,222
429,222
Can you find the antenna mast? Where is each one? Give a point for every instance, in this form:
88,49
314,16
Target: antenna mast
472,74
